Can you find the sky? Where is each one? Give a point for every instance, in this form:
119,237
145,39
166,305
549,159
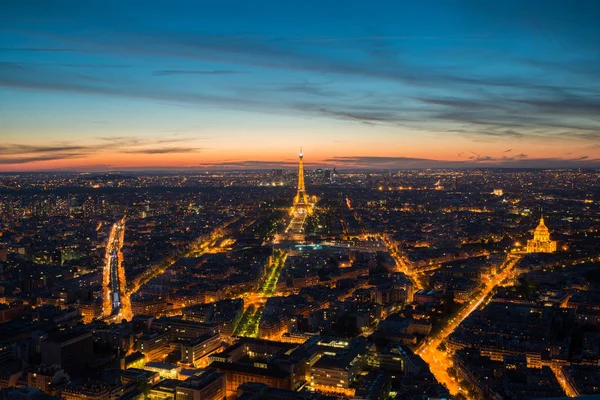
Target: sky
123,85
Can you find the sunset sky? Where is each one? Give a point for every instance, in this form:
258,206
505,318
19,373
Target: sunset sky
117,85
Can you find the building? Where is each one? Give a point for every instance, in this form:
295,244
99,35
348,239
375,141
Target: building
71,350
155,345
164,390
272,327
397,360
92,391
148,305
164,370
257,360
208,386
48,378
138,376
22,393
336,373
90,311
426,296
541,242
182,330
259,391
195,352
239,373
375,385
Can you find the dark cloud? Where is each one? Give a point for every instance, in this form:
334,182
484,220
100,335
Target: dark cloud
16,153
475,161
31,159
377,160
367,114
17,149
251,164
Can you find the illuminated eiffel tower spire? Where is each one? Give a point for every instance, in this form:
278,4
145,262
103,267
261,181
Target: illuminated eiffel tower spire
301,199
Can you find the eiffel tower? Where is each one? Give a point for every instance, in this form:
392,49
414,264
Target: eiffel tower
301,204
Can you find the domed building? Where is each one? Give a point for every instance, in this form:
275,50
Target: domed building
541,242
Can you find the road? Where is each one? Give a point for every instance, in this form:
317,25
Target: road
202,246
570,391
296,225
255,301
269,284
248,325
115,298
439,361
402,263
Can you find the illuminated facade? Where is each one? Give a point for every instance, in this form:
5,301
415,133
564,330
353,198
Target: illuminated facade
541,242
336,369
272,328
195,352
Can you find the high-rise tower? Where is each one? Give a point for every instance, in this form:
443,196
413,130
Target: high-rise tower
301,204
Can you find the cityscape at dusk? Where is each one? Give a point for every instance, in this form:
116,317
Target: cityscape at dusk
300,200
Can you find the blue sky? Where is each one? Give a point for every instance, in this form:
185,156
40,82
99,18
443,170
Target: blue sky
109,85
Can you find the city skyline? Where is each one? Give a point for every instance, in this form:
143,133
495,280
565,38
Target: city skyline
316,200
101,87
411,284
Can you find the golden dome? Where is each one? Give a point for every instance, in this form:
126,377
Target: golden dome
541,242
541,228
541,232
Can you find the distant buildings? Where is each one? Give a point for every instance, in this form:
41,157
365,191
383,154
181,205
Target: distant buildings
268,319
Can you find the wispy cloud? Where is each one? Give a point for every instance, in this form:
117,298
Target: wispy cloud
163,150
527,109
16,153
36,78
167,72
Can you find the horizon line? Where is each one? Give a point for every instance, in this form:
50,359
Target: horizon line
354,169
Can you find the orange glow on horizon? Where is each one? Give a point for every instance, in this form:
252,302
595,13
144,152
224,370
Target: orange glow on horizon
283,154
